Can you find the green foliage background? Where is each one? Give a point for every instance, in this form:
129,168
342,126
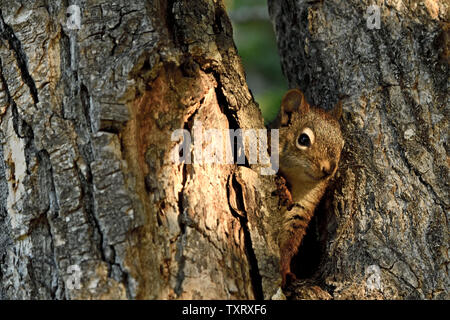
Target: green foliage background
256,43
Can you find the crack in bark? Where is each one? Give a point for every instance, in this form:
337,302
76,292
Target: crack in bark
54,289
170,21
121,15
182,219
231,117
52,211
255,275
86,107
7,33
88,197
12,104
182,222
5,237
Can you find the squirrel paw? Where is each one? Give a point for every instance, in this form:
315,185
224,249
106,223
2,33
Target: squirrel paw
285,197
288,278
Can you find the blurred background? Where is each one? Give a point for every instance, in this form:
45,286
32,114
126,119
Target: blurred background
255,40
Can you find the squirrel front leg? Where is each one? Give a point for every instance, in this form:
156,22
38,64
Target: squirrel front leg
295,223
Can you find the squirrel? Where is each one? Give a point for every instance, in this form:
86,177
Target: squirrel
310,145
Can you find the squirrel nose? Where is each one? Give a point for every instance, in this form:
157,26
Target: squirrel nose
326,167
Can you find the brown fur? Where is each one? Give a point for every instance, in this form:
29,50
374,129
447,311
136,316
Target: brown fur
306,171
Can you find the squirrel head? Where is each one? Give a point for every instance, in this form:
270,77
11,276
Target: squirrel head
310,140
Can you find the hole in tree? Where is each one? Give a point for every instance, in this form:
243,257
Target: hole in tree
307,262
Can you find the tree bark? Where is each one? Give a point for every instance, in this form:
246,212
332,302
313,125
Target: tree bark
91,204
387,234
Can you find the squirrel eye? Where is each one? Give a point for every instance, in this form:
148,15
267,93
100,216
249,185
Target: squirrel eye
305,139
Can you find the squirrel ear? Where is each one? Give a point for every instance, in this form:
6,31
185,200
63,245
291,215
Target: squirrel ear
293,101
336,112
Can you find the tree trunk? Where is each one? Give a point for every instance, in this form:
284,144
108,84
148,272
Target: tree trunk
387,234
91,204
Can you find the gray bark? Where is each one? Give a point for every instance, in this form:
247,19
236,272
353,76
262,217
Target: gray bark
390,202
87,187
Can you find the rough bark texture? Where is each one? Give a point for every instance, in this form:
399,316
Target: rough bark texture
390,200
86,177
